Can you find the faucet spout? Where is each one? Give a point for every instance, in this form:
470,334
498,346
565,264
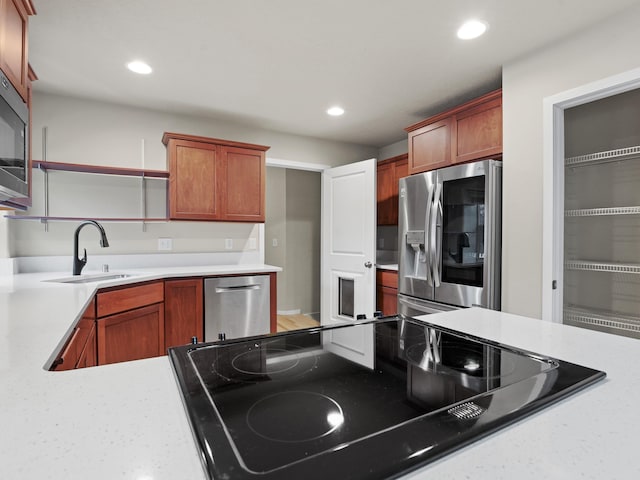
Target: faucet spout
79,263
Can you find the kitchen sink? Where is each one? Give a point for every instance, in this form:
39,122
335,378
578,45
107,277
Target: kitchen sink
92,278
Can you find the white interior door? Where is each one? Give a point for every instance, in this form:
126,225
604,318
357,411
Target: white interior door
348,278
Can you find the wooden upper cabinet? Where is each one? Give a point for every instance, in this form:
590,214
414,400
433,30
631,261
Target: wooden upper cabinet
430,146
14,25
214,179
479,131
244,184
193,181
468,132
388,173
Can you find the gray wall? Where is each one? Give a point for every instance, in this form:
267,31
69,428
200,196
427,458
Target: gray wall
293,221
90,132
604,50
393,150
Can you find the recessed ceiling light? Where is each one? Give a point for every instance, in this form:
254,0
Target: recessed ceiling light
335,111
472,29
139,67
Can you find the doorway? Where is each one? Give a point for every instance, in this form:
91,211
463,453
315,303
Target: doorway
292,242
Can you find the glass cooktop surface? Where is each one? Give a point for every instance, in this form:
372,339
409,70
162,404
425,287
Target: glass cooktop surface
369,400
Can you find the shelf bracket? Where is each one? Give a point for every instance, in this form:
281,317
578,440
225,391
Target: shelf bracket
45,177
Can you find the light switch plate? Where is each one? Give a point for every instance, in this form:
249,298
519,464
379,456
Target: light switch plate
228,243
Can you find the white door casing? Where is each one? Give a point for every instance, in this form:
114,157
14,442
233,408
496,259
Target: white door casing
348,258
553,180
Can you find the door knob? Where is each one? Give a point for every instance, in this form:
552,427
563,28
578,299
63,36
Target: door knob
368,264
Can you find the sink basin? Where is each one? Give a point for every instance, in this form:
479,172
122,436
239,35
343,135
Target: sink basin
91,278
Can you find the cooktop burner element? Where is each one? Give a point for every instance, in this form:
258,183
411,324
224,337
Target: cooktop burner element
294,416
268,408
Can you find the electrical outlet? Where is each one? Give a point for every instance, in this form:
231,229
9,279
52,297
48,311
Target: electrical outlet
228,243
165,244
274,242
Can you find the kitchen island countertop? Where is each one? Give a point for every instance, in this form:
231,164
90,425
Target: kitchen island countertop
126,420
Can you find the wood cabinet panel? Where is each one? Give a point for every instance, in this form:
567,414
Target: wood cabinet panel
215,180
479,132
14,22
387,194
244,184
471,131
387,292
89,355
183,311
388,174
387,278
127,298
430,146
193,181
80,349
131,335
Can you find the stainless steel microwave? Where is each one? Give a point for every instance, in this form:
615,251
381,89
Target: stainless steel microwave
14,143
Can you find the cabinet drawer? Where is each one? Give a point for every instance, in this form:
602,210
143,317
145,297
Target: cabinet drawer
387,278
124,299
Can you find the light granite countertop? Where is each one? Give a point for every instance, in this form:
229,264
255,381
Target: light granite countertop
126,420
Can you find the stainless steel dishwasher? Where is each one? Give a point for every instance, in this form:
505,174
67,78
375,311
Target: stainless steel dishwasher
236,307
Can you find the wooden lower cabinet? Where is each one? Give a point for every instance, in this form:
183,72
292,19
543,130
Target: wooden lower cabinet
183,311
89,354
131,335
387,292
80,350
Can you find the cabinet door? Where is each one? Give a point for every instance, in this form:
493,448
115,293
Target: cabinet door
14,22
387,300
479,132
389,172
194,181
80,338
183,311
131,335
89,355
387,194
243,184
387,292
430,146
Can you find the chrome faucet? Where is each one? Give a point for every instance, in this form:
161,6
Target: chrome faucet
79,263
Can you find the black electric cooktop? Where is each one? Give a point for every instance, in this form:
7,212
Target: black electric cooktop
305,404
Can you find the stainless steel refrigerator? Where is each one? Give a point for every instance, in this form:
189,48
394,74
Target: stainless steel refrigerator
449,228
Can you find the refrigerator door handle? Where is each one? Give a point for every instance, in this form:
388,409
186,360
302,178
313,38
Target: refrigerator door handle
427,240
436,236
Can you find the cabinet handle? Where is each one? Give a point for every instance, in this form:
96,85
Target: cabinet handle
237,288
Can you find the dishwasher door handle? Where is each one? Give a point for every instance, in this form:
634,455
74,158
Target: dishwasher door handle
237,288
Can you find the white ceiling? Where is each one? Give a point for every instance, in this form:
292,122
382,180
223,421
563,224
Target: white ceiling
279,64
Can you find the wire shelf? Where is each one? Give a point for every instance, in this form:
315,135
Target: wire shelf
601,319
603,267
627,153
597,212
